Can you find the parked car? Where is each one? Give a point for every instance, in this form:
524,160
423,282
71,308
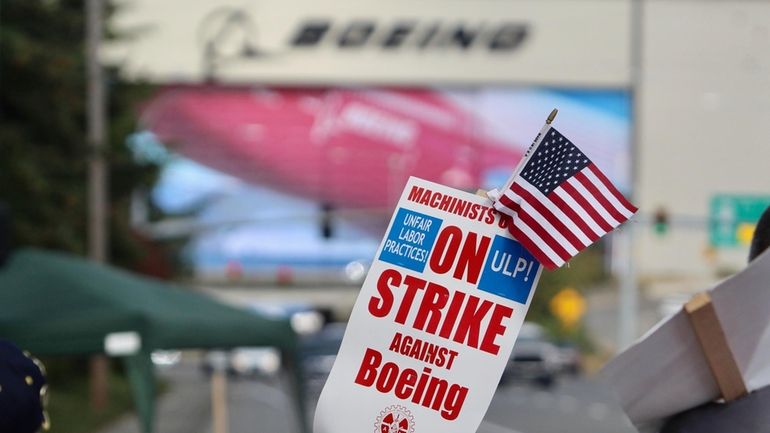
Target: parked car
569,359
256,362
248,362
534,359
166,358
319,352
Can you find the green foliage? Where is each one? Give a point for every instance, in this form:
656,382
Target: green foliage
43,150
69,402
584,272
44,165
68,405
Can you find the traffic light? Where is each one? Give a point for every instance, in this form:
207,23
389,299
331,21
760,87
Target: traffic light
660,222
327,223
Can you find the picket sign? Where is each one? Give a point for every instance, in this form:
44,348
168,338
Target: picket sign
716,349
435,321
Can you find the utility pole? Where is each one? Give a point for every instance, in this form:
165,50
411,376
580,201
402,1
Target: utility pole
97,175
628,308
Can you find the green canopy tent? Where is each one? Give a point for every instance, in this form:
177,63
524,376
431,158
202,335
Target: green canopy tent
56,304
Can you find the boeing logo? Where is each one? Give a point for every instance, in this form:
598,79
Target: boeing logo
230,34
409,34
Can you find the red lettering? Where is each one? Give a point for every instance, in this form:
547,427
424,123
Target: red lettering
406,344
417,350
504,221
433,301
452,355
461,207
368,371
452,314
420,388
469,328
431,392
441,357
413,284
396,343
435,199
380,307
387,377
472,258
495,328
490,216
406,383
435,392
445,201
474,211
415,193
425,197
430,354
445,250
454,402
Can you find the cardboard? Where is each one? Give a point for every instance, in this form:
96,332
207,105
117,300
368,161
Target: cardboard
708,329
666,372
435,321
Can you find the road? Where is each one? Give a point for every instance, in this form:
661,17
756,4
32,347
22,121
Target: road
261,406
575,405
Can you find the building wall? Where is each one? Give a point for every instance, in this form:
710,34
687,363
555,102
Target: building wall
565,43
703,90
704,125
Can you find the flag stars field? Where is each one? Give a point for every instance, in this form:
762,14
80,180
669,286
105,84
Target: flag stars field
555,218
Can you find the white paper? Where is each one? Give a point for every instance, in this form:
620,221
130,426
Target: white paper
666,372
374,386
122,343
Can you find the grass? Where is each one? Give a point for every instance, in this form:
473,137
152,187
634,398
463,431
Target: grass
69,408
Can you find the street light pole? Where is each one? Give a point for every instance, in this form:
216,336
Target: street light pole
97,173
628,308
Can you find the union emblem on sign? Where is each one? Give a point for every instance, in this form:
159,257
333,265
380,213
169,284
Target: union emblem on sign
394,419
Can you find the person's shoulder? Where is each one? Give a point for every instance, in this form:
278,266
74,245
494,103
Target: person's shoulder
748,414
22,389
761,239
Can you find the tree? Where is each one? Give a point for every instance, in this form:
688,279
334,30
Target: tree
43,151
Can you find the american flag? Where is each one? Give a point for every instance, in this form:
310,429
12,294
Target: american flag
561,202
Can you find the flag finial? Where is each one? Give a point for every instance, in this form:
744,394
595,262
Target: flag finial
551,116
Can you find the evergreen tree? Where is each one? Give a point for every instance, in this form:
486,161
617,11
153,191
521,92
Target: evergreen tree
43,149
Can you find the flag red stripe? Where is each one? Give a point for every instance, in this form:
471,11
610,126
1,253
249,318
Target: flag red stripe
548,215
611,188
576,219
531,247
583,203
510,204
544,234
586,182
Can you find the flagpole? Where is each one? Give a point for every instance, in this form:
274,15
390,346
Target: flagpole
551,116
530,150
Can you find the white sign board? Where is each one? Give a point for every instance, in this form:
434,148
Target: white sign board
665,372
435,321
339,42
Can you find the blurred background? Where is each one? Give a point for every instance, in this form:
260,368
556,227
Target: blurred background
252,152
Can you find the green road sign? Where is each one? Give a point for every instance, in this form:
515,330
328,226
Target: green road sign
733,217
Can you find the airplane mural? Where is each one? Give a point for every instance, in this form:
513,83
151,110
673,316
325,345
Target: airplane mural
346,148
259,164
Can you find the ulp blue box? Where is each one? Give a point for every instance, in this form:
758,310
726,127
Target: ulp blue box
510,270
